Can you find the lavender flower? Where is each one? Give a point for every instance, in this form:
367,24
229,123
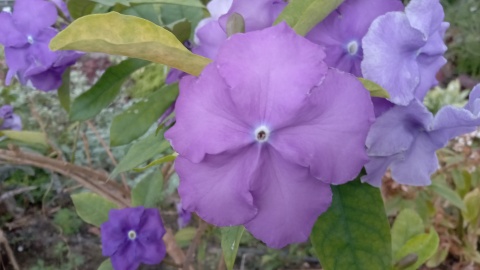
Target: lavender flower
277,127
26,33
211,33
132,236
405,139
9,120
184,216
341,33
404,50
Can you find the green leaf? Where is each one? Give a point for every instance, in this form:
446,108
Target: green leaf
472,203
92,208
184,236
423,245
181,29
30,137
148,192
231,237
143,150
374,89
303,15
80,8
159,161
106,265
354,232
147,12
407,225
447,193
136,120
105,90
188,3
64,91
112,3
129,36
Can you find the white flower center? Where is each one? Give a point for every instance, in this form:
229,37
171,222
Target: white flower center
352,47
30,39
261,134
132,235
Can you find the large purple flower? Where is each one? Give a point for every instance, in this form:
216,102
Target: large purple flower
132,236
211,33
26,33
341,33
404,50
9,120
405,138
263,132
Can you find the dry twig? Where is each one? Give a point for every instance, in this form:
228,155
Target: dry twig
11,256
202,227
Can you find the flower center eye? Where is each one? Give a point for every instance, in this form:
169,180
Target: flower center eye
132,235
352,47
261,134
30,39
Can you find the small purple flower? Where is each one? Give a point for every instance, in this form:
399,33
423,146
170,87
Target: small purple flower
132,236
211,33
9,120
341,33
405,138
184,216
404,50
277,127
26,33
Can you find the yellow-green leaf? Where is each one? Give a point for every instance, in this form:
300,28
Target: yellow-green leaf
374,89
423,245
303,15
231,237
30,137
156,162
472,203
118,34
92,208
407,225
106,265
184,236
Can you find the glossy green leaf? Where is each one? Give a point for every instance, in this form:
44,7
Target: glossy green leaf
231,237
106,265
303,15
80,8
148,192
141,151
148,12
354,232
64,91
407,225
136,120
184,236
157,162
472,206
29,137
129,36
181,29
104,91
112,2
374,89
423,245
92,208
447,193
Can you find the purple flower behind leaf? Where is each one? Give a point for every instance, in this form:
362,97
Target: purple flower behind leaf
132,236
341,33
211,33
26,33
403,51
264,130
184,216
405,138
9,120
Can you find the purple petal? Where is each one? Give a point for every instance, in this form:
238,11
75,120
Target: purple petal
9,35
209,39
126,257
218,188
151,248
113,236
328,134
31,16
289,201
277,73
425,15
390,60
376,168
205,108
418,164
48,80
218,7
395,131
62,6
9,120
